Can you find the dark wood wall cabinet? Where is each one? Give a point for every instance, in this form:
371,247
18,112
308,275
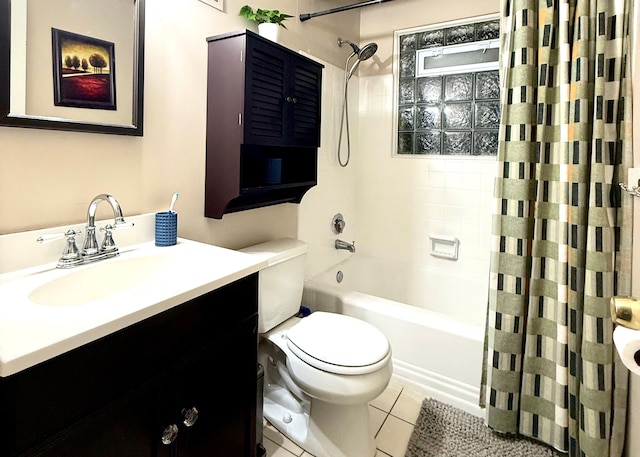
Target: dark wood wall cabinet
179,384
263,123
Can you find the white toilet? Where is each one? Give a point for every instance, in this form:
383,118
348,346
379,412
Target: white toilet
321,371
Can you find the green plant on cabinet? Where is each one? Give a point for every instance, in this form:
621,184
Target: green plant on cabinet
262,16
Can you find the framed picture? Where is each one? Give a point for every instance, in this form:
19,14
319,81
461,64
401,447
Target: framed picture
217,4
84,74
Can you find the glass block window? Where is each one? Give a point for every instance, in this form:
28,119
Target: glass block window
448,90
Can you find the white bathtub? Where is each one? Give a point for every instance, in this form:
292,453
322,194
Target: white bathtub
436,354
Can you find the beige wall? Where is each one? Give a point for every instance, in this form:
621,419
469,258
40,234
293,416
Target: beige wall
87,18
47,178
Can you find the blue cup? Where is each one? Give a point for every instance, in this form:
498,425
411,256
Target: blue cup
166,228
274,171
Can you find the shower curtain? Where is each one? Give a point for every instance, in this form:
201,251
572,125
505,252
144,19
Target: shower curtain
562,228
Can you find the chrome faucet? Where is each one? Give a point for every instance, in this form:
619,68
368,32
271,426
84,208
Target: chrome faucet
351,247
72,256
90,250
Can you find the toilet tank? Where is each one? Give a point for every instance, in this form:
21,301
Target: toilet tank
281,282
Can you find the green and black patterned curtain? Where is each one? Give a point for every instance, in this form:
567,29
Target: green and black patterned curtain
562,227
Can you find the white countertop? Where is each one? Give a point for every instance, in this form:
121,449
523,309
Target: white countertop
36,327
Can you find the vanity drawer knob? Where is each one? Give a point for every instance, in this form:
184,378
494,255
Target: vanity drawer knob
190,416
170,434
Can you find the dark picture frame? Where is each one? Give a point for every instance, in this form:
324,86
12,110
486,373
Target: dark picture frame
84,71
22,119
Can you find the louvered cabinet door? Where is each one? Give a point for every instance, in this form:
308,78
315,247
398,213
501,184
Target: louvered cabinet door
302,116
282,102
264,122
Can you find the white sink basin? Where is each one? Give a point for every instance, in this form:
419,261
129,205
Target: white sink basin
45,311
99,280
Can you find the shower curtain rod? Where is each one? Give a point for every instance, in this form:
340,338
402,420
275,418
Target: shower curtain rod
307,16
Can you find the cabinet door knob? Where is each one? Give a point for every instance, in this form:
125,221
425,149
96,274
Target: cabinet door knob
170,434
190,416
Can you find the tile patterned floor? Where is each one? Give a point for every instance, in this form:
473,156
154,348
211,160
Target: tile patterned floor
393,415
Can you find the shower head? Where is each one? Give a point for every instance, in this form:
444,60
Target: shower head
367,51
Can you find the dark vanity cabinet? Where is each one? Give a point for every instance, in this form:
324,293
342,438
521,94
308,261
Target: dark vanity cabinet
263,123
181,383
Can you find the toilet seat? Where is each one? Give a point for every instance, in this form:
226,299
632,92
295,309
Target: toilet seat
330,383
339,344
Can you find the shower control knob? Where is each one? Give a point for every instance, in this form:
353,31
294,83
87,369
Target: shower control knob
338,224
190,416
169,434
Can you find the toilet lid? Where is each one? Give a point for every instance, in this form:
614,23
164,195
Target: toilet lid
339,344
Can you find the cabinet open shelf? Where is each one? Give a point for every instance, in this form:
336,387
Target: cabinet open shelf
265,167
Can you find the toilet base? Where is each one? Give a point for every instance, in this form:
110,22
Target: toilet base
329,431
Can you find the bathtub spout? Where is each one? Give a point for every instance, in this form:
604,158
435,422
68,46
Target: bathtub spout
351,247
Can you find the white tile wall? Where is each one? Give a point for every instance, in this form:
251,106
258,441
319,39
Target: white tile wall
336,189
392,204
402,200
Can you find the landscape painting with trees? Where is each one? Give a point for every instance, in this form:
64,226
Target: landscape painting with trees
83,71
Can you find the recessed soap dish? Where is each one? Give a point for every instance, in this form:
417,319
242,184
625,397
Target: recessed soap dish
444,246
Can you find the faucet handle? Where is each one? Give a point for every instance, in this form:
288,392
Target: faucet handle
108,245
122,225
57,236
71,254
118,224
